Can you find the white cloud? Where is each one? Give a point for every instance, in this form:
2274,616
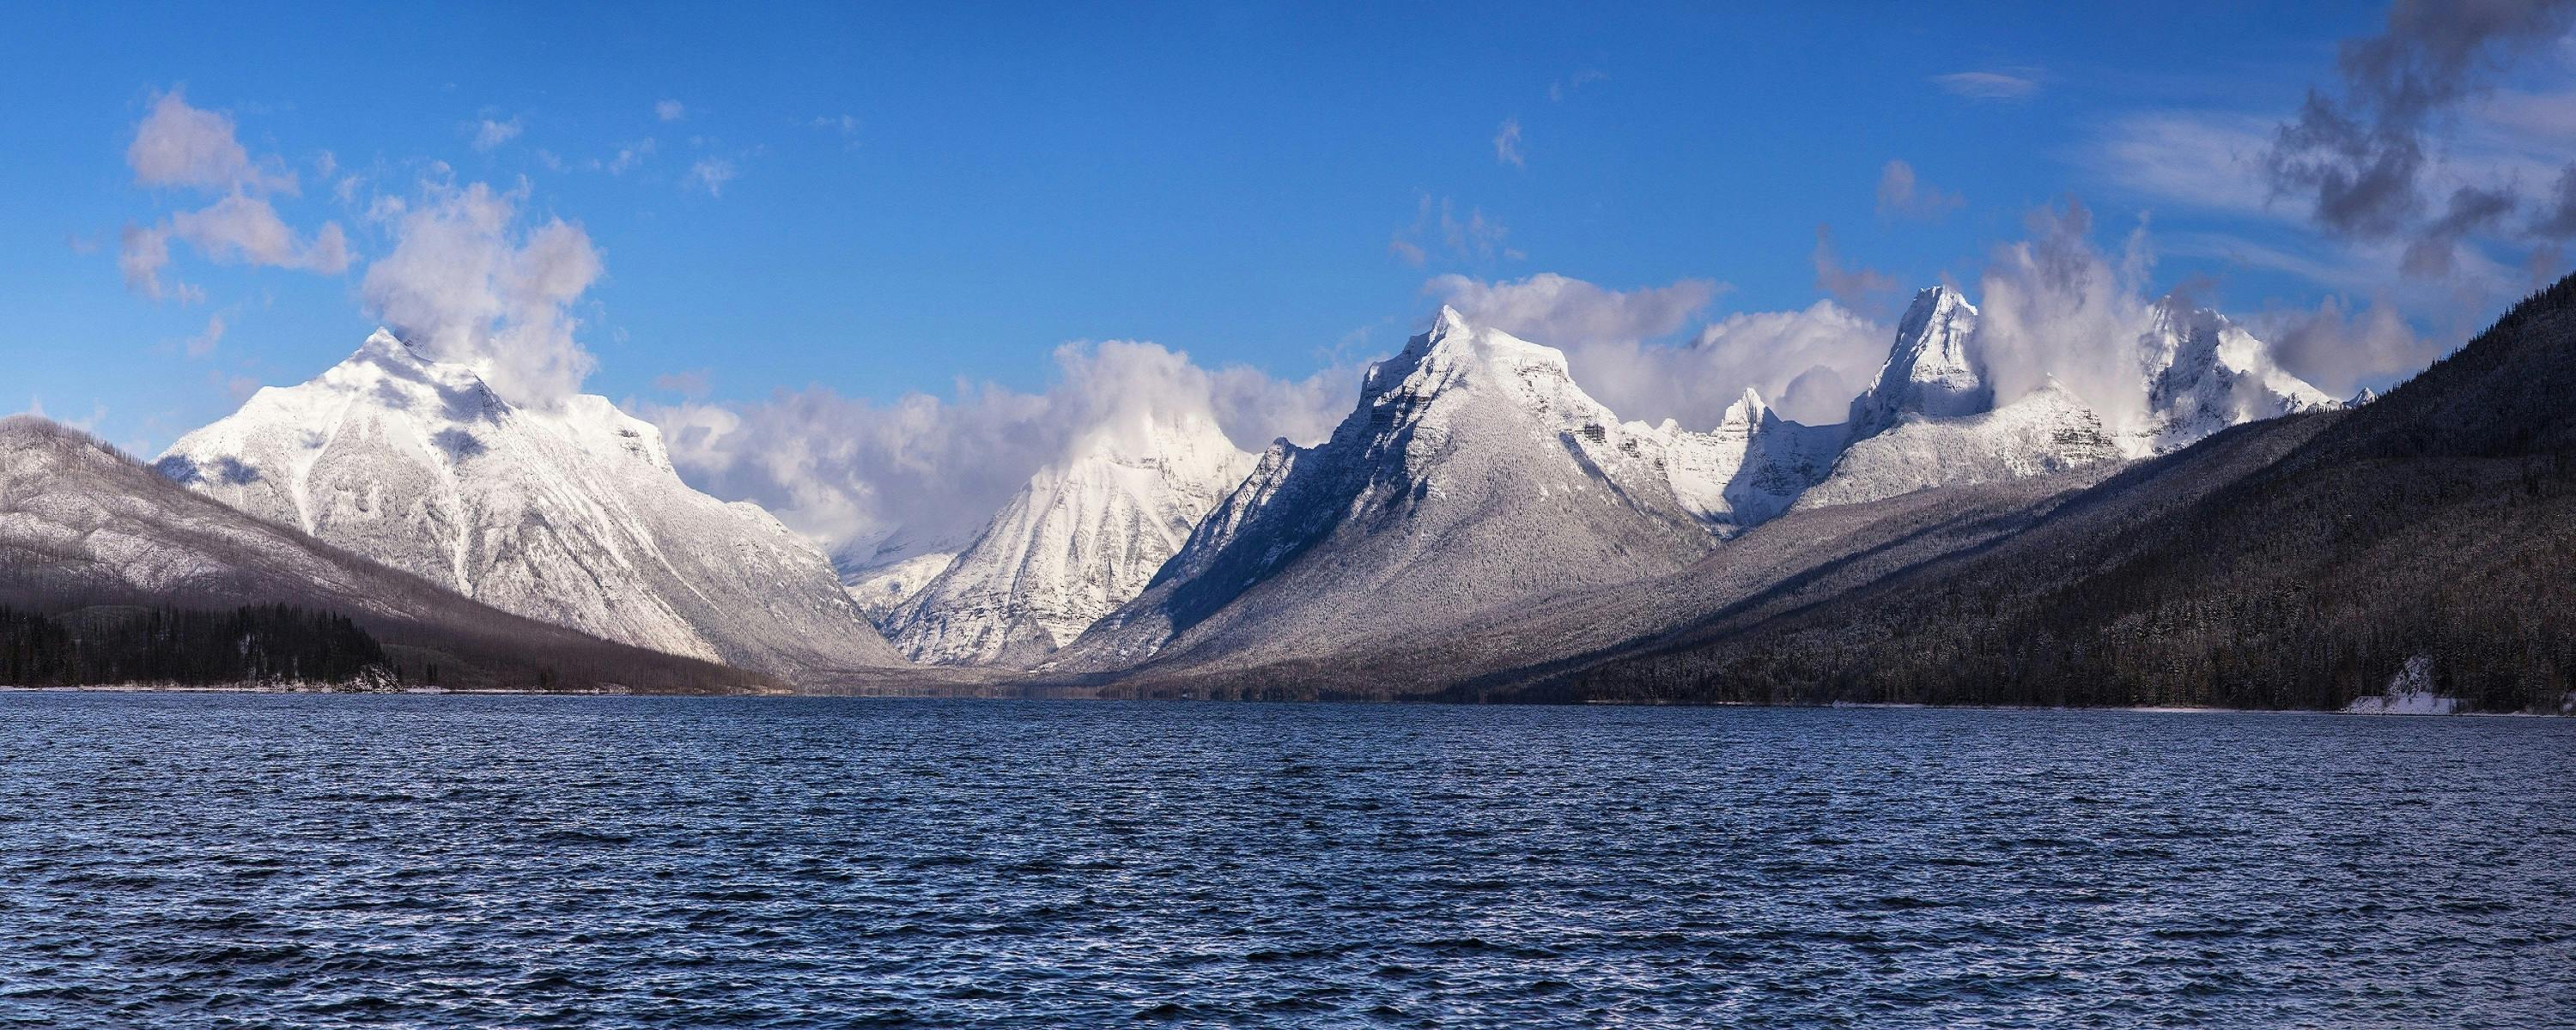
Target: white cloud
1861,288
711,174
1561,312
247,230
203,343
489,134
845,125
691,384
141,255
627,158
1568,86
2057,306
850,473
1808,363
2200,160
468,282
1478,237
1901,194
180,145
670,111
2338,348
1990,85
1507,144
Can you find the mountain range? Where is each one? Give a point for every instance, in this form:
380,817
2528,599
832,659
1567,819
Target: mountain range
1480,527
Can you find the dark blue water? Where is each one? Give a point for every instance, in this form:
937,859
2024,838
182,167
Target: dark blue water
248,860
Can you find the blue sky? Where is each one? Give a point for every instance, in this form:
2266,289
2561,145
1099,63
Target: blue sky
887,200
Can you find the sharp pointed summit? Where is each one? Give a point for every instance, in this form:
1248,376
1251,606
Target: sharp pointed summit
1930,371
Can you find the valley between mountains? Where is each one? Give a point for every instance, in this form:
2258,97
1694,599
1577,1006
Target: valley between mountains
1477,528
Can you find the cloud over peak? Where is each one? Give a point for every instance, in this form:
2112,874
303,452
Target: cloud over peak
851,473
468,280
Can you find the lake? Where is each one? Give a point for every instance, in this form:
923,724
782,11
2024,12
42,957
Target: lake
188,860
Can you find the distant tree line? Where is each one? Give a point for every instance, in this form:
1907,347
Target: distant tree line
269,643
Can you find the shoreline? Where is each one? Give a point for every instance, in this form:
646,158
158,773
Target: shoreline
252,688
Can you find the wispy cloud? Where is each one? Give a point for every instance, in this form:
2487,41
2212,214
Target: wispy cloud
670,111
1476,237
846,126
2019,84
1507,144
1860,288
1902,194
490,134
1562,88
1561,311
692,384
181,145
184,146
204,342
1808,363
711,174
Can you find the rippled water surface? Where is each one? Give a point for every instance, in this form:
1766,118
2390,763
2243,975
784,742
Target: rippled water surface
257,860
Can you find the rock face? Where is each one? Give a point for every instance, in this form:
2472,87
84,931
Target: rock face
571,515
1080,539
1473,473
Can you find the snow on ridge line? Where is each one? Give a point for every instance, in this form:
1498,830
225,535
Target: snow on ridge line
571,514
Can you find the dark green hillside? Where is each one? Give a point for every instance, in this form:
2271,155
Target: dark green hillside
2440,521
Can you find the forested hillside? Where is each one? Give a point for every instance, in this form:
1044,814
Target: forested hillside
2439,521
272,643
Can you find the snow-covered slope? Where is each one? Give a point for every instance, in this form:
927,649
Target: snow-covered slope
2048,430
572,515
1080,539
2205,373
1931,418
1929,372
82,525
882,588
1474,473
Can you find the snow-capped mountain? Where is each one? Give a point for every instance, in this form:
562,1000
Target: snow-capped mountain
2205,373
571,515
1929,372
83,525
1080,539
1932,419
2047,430
881,588
1473,472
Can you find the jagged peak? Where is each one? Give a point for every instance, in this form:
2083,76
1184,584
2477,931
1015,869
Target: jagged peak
1748,410
2363,396
1934,300
1929,370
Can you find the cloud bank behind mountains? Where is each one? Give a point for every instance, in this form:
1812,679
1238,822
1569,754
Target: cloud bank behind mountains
861,477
